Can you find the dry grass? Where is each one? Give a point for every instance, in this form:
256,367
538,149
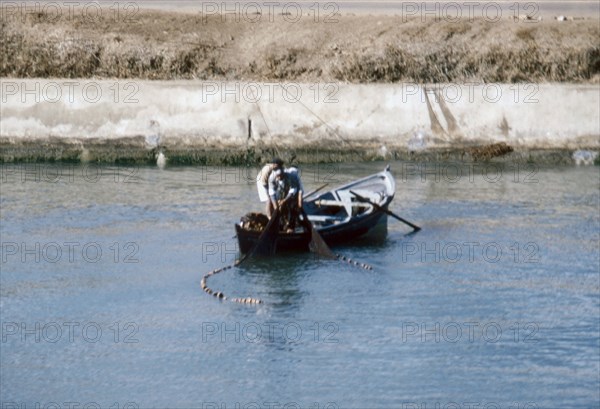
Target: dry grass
164,45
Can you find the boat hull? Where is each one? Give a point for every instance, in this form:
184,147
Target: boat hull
336,215
375,223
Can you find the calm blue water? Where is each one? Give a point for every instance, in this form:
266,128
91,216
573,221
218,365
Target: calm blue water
496,302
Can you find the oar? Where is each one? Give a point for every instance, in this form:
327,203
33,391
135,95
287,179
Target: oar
317,244
266,241
316,190
376,206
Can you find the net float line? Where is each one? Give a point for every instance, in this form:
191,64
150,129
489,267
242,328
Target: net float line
249,300
219,294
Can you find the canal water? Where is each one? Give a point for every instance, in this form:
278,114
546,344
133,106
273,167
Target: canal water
495,302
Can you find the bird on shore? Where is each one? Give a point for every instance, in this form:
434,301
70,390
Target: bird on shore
154,139
161,159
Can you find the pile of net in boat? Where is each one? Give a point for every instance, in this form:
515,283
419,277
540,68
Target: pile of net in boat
254,222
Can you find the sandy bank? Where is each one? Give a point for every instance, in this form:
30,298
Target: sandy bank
327,47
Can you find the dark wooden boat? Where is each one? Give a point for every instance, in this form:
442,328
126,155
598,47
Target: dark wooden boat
337,215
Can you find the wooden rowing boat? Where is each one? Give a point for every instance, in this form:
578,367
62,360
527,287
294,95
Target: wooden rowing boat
337,215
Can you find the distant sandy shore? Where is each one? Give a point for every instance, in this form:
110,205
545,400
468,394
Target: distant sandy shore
327,45
444,8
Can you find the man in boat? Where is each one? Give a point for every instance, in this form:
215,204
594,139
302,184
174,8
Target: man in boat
285,192
296,183
262,183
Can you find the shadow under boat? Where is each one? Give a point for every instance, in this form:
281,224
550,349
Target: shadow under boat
337,215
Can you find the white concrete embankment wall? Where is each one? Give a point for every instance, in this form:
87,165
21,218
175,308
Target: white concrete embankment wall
339,116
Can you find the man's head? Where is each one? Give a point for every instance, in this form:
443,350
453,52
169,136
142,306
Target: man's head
277,162
278,173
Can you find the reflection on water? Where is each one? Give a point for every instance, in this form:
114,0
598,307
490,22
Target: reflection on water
494,301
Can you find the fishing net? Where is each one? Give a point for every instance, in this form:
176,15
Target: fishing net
267,242
254,222
317,245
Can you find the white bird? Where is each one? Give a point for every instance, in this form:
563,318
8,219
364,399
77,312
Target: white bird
418,141
161,159
383,151
153,139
